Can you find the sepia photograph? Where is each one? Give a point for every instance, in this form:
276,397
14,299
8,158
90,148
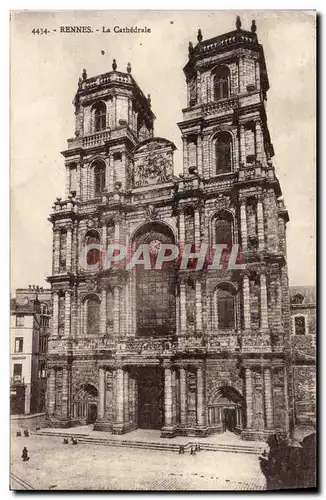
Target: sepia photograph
163,250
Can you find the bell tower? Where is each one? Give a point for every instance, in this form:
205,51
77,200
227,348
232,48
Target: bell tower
111,116
228,152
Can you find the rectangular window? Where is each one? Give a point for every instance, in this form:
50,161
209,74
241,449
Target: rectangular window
41,371
19,342
18,369
44,322
20,320
300,325
43,344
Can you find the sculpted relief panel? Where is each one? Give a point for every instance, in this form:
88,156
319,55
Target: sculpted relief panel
153,164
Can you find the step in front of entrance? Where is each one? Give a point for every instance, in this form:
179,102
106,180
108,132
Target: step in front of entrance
173,447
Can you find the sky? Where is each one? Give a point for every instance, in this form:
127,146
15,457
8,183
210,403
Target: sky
44,74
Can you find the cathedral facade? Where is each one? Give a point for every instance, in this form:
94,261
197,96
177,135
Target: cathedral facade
189,350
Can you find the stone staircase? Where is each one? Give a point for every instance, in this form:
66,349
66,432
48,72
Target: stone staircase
240,447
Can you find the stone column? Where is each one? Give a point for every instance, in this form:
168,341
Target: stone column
69,248
182,232
126,395
183,396
119,395
103,313
67,313
199,312
67,186
55,314
240,74
243,225
65,393
200,154
117,230
51,383
110,174
104,241
242,146
197,228
185,154
167,397
78,180
268,398
56,250
116,312
215,313
249,396
183,309
200,397
259,142
257,75
263,303
114,118
174,397
246,302
101,387
260,225
278,302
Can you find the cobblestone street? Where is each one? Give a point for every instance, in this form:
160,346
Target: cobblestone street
56,466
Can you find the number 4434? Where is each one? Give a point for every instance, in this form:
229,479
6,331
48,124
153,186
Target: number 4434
40,31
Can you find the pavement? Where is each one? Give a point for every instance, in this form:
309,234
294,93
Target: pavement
57,466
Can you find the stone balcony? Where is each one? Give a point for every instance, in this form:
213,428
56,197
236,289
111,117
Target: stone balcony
90,140
147,347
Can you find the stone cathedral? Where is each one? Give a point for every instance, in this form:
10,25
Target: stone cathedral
184,351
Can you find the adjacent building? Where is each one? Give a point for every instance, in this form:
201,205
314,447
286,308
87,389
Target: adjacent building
30,313
303,340
186,351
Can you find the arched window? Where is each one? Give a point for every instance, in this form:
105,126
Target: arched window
99,178
93,255
225,309
155,288
223,229
221,83
223,149
99,116
93,315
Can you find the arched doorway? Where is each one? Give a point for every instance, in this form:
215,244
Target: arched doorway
84,408
225,410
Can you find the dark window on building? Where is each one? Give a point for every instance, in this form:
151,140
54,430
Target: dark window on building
155,288
99,174
93,316
44,322
19,344
20,320
300,325
221,84
223,231
41,370
225,308
93,242
43,344
18,368
99,116
297,299
223,153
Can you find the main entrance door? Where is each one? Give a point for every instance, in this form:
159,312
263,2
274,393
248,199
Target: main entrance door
150,398
92,413
230,419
